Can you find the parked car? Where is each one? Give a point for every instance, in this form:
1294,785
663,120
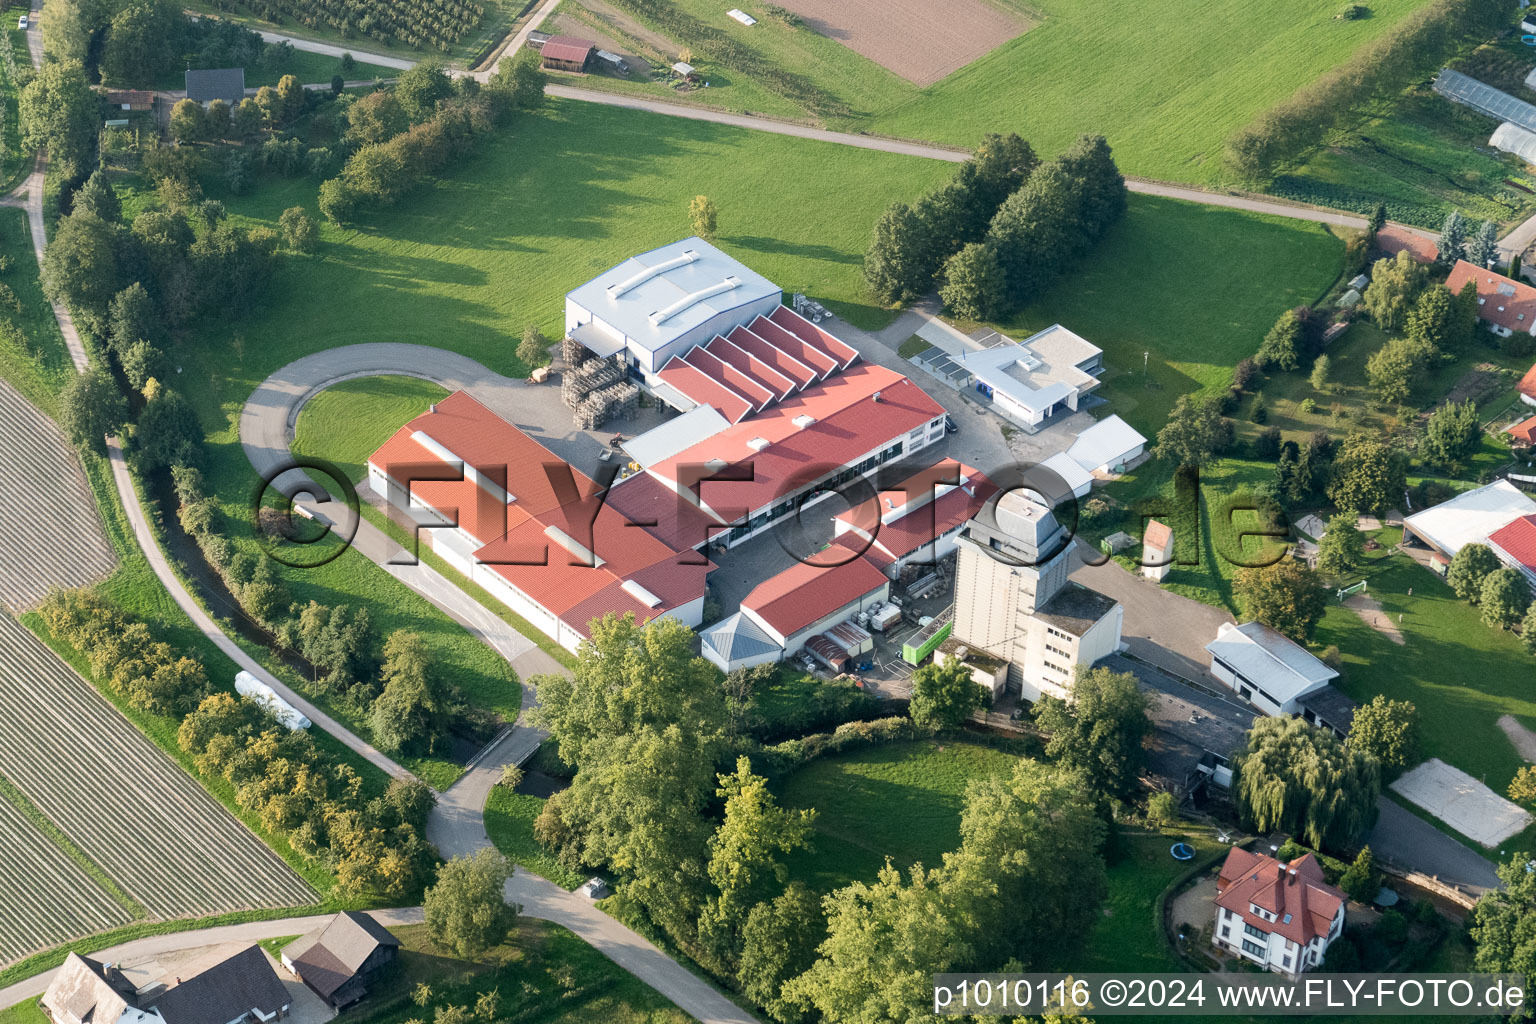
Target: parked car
595,889
21,22
950,426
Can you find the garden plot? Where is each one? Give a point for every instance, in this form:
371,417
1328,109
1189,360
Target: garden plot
47,514
1462,802
133,811
919,40
47,898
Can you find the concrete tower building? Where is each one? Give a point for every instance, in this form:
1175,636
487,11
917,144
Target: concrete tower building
1013,598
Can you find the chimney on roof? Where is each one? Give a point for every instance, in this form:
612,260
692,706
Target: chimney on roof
877,396
432,407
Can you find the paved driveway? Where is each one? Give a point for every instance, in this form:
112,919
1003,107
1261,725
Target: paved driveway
1413,843
1161,627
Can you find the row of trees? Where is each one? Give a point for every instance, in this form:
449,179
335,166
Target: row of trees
1416,47
420,24
317,803
913,241
1477,576
426,123
293,788
1001,229
137,43
647,728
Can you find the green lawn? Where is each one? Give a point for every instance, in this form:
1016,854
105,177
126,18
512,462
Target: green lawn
1108,68
1461,674
1195,286
347,422
1128,935
32,351
543,974
26,1012
509,822
901,801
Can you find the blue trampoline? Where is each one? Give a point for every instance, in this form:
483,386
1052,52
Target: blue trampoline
1528,40
1182,851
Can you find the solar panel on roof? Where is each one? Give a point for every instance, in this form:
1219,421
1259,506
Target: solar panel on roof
1459,88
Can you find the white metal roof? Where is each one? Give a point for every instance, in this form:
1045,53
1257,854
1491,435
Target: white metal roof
1037,372
1284,669
1470,517
1075,477
655,297
1105,443
678,434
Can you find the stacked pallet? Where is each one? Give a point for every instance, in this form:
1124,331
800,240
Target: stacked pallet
576,385
615,400
574,352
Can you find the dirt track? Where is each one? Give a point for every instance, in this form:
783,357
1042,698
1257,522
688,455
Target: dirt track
917,39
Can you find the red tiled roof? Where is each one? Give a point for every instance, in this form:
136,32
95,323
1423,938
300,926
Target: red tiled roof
728,351
567,48
812,335
1518,541
547,495
1393,239
848,424
700,387
1157,535
913,516
810,355
774,356
806,591
1501,300
644,500
1524,431
707,362
1527,385
1302,903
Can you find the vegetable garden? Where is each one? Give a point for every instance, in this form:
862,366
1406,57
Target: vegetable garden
127,807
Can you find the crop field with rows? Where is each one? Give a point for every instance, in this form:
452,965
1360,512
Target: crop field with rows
138,818
418,24
46,509
48,898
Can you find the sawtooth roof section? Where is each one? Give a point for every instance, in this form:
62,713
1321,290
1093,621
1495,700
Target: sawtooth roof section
702,389
774,356
794,323
791,343
724,349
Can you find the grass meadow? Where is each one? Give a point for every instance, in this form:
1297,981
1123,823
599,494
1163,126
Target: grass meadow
1185,291
1165,83
901,801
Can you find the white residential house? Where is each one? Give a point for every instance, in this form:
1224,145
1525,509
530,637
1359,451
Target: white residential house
1280,916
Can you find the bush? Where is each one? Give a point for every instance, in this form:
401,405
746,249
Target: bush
782,758
1353,12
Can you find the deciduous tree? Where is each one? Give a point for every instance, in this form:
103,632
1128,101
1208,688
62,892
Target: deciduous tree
411,712
1368,475
1434,321
1099,730
1286,596
1281,347
534,348
187,121
973,282
898,265
300,232
1194,433
59,113
779,942
1342,547
1395,284
943,696
90,408
1469,567
1387,730
1451,435
1504,598
466,910
1298,778
702,216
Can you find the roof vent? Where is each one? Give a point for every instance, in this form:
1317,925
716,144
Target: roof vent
574,546
757,444
432,407
803,420
876,396
636,280
640,594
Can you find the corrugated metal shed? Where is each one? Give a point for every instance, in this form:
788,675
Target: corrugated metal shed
567,49
834,656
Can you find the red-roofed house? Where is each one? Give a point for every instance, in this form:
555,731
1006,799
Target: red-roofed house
532,530
919,518
1527,386
1280,916
1523,433
1393,239
1505,305
1515,545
